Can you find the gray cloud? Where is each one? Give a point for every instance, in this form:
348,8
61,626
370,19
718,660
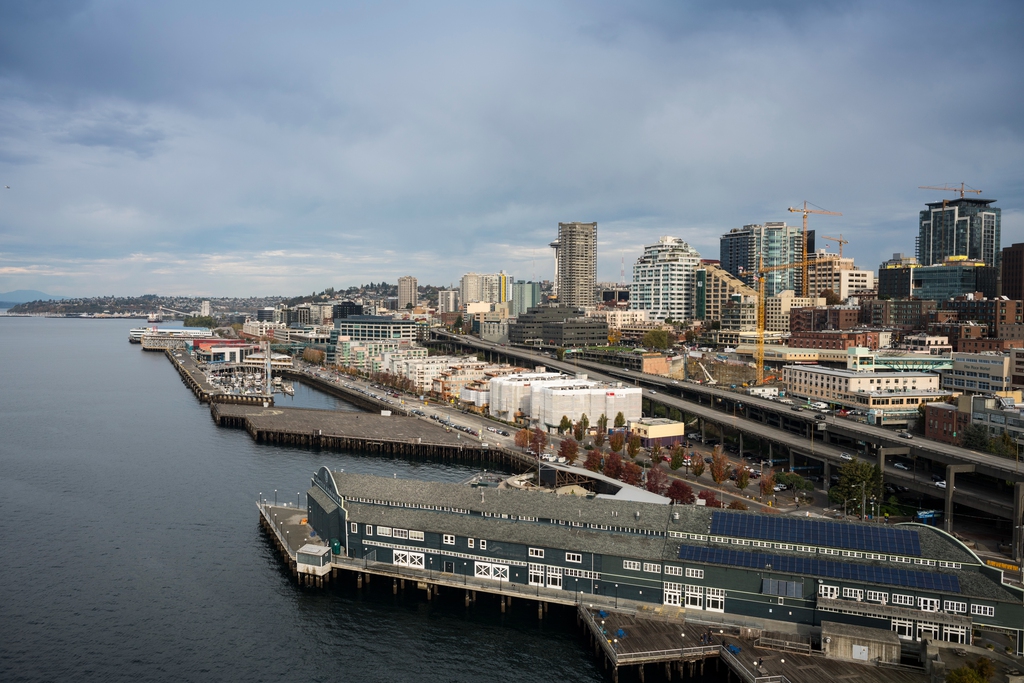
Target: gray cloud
436,139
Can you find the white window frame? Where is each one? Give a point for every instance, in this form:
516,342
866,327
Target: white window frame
827,591
673,571
982,610
692,573
354,527
384,531
631,565
903,600
415,535
448,539
535,574
400,533
903,628
402,558
673,594
576,558
928,604
471,542
483,544
930,627
554,577
878,596
694,597
853,594
955,634
537,552
714,599
652,568
369,530
954,606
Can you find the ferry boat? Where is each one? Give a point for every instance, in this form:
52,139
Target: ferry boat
155,318
135,334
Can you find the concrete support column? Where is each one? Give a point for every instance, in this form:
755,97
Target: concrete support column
951,471
703,436
827,479
1018,520
741,445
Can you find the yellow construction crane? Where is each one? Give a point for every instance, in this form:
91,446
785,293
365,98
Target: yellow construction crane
803,257
761,307
838,240
949,188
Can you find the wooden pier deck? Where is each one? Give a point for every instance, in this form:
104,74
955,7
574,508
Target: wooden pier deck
334,430
195,380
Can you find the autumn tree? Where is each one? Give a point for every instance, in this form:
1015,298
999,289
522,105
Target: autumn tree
569,450
656,453
830,297
767,482
577,431
631,473
613,465
585,421
680,492
678,457
620,420
657,480
697,466
742,477
709,498
599,438
616,441
719,465
634,445
538,440
737,505
593,461
658,339
523,438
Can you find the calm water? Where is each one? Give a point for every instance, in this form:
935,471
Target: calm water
131,548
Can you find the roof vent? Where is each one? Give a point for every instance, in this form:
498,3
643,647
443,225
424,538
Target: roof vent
675,516
637,514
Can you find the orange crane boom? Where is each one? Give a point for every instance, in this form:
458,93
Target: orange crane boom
950,188
838,240
803,258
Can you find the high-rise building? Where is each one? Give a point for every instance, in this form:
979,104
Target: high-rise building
829,271
713,288
577,263
1013,271
407,291
955,277
896,277
663,281
496,288
525,295
960,227
745,249
470,288
204,309
447,301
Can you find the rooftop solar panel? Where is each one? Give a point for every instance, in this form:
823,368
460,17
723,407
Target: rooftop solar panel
933,581
816,532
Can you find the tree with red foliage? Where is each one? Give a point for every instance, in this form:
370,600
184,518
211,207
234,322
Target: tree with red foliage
710,499
767,482
737,505
593,462
631,473
657,480
538,440
569,449
680,492
613,465
719,465
523,437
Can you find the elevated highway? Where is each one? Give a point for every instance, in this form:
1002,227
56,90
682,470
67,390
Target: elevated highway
996,484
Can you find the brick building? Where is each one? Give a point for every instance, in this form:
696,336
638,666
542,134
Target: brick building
989,344
834,339
996,313
904,314
943,422
817,318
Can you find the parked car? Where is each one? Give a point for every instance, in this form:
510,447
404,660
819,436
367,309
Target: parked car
779,487
708,460
845,456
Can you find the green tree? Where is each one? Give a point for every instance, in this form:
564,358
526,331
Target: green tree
658,339
409,306
458,322
620,420
200,321
964,674
975,437
857,480
634,445
1004,445
678,454
599,438
560,354
585,421
656,453
565,425
577,431
794,481
602,423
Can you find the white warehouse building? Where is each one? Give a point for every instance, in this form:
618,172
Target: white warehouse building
510,395
552,399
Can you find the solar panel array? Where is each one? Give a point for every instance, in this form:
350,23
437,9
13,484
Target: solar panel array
909,578
869,539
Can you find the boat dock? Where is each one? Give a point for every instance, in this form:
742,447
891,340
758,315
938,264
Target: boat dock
196,381
368,432
628,636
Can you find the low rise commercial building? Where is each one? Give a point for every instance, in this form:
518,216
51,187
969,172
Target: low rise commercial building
903,314
989,345
511,394
945,422
777,308
551,400
558,326
978,373
817,318
927,343
659,431
834,339
994,313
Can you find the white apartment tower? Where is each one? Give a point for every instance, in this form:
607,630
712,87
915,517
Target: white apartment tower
471,288
447,301
663,280
576,281
407,291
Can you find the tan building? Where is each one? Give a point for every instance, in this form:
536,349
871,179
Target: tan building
776,309
407,291
658,430
617,319
719,286
829,271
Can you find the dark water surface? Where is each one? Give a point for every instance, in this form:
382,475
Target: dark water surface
131,549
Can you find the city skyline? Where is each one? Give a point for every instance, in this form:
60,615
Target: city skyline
147,152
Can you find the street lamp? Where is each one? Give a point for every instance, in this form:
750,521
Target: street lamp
616,596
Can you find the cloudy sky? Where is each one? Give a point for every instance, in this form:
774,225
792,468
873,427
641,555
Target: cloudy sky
239,148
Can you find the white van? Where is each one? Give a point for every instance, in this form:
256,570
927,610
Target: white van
818,405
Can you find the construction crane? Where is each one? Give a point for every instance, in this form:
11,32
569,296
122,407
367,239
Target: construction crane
949,188
803,257
838,240
711,380
761,314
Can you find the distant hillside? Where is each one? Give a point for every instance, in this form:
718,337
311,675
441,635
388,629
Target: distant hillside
20,296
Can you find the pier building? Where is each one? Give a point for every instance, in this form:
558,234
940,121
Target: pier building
781,573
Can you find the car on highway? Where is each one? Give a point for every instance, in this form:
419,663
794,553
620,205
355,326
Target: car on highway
651,391
901,466
905,435
941,484
796,409
845,456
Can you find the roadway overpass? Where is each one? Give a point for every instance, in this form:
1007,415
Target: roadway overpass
804,434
